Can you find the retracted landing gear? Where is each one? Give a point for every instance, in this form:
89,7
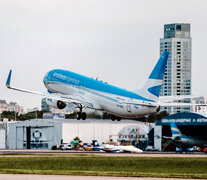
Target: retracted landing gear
113,118
80,114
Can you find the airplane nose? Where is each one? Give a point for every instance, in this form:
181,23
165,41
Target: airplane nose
46,78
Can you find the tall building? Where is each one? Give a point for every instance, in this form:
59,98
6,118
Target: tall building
177,78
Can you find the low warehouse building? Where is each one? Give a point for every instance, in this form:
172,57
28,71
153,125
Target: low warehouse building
44,133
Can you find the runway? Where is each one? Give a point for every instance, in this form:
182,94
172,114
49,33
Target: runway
98,153
64,177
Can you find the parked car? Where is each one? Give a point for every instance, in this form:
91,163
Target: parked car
178,150
190,150
151,148
205,149
66,146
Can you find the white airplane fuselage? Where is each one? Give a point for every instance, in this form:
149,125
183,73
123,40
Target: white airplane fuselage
114,104
67,87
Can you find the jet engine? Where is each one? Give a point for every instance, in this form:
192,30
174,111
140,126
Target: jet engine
56,103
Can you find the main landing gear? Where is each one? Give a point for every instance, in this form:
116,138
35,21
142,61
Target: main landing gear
113,118
80,114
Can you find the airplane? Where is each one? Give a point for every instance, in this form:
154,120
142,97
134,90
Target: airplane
118,149
182,140
66,88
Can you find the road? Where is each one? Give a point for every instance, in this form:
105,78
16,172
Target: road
144,154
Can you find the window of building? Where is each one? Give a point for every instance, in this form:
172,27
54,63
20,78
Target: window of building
143,136
178,27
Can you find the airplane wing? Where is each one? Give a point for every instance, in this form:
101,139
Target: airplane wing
54,96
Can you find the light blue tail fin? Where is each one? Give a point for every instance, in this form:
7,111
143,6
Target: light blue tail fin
175,131
152,87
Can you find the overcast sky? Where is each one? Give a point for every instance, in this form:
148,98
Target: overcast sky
115,40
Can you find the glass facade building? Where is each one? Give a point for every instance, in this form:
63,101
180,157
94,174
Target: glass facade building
177,78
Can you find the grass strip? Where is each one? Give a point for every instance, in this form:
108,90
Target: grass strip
107,166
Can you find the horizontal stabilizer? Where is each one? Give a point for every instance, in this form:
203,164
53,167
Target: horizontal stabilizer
179,97
162,104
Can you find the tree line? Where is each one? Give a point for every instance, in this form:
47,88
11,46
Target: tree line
11,115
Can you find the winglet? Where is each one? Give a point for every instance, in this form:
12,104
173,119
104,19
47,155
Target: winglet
8,79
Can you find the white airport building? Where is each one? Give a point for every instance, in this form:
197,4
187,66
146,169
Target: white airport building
45,133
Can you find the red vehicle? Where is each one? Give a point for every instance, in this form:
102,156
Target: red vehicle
205,149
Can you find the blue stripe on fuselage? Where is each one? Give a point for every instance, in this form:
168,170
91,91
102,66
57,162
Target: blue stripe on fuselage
68,77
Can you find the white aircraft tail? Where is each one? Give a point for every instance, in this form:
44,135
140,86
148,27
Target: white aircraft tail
152,87
175,131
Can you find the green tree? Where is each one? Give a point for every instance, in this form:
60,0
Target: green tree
76,145
9,115
31,115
